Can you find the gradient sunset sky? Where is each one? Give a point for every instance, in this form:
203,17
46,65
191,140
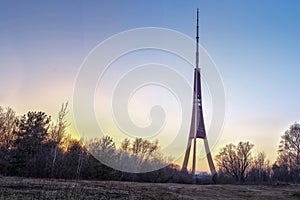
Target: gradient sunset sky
255,45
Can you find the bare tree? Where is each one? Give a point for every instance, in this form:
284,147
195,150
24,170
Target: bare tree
260,169
59,129
235,160
7,126
57,133
140,154
144,149
103,157
81,158
125,145
260,160
103,149
289,151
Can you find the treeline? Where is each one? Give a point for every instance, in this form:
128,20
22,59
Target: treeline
237,164
33,145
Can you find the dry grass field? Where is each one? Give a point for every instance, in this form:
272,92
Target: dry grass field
24,188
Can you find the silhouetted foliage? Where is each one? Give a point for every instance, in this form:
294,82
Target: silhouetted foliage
235,160
32,145
7,126
288,160
260,170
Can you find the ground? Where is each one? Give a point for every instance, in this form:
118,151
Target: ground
24,188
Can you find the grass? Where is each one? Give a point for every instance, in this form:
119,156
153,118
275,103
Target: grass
26,188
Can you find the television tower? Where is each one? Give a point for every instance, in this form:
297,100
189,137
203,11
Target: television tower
197,124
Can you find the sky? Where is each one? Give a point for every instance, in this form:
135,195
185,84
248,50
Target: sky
254,44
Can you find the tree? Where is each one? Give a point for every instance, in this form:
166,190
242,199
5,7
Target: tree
7,126
103,149
143,148
289,151
235,160
125,145
140,155
74,160
29,152
260,169
57,134
103,157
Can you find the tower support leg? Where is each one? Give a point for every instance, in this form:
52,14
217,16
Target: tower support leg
187,155
209,158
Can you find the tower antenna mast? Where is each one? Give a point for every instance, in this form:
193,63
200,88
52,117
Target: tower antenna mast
197,40
197,129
